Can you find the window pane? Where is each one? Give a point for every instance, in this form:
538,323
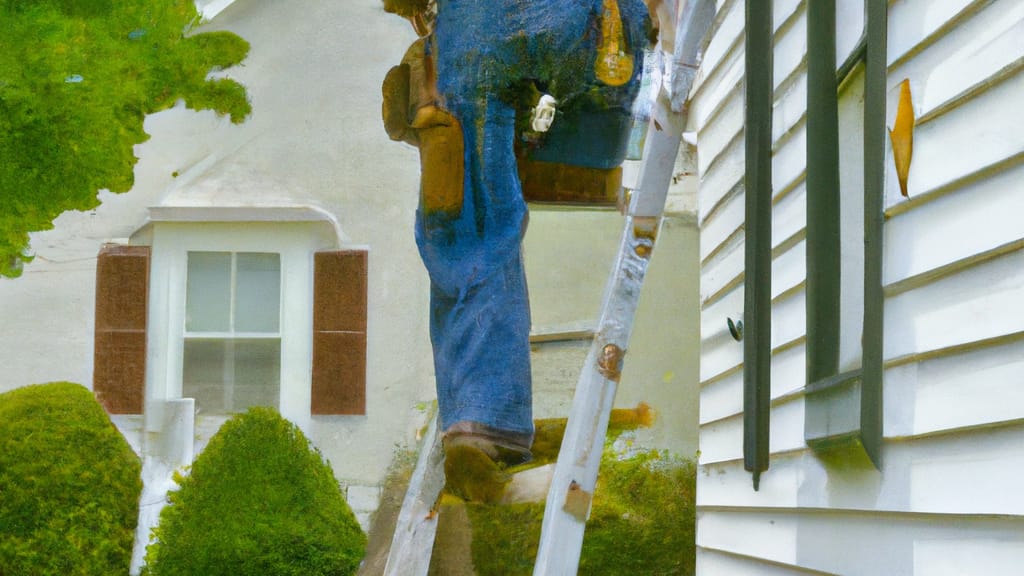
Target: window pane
851,226
257,292
231,375
257,373
849,27
203,374
208,292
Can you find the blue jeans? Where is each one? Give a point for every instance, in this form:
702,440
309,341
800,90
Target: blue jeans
479,308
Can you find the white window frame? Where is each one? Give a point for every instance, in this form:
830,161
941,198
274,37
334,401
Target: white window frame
295,241
231,335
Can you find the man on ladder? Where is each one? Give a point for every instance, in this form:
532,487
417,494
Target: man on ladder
463,96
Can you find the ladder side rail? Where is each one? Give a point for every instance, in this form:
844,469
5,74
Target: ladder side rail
575,476
413,541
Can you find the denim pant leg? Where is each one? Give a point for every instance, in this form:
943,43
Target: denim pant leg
480,315
482,354
479,308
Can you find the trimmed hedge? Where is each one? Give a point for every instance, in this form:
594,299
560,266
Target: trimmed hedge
69,485
259,500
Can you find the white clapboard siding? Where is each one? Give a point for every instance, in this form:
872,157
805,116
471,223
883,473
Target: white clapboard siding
979,133
722,176
947,499
719,352
725,270
789,159
914,22
864,545
725,223
849,28
790,105
978,218
723,398
727,125
723,137
722,440
791,311
789,268
726,29
973,388
967,56
719,562
983,302
945,474
788,220
789,216
726,40
719,103
790,48
725,80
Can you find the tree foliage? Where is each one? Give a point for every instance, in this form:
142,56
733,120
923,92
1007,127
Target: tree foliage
77,78
69,485
258,501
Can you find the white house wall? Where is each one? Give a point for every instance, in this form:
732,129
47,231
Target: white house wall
947,498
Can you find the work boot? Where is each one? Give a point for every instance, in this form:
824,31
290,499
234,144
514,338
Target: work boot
475,465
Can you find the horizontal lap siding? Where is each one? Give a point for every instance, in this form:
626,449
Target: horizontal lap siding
942,474
954,325
860,544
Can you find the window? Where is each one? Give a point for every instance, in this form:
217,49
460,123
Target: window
232,352
844,178
265,311
845,173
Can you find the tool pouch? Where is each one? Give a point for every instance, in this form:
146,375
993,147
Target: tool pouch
411,114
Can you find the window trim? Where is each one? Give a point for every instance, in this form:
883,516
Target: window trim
172,235
843,411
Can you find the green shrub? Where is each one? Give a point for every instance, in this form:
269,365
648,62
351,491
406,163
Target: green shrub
69,485
259,500
641,522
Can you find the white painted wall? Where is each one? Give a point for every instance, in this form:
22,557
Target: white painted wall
944,501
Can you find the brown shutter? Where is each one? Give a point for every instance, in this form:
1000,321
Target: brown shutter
119,360
339,332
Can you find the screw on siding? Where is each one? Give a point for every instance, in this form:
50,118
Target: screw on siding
735,328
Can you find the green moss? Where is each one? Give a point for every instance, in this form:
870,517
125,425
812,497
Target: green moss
471,475
258,501
643,517
642,522
69,485
77,78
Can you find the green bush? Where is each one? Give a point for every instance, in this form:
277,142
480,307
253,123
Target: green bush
69,485
641,522
259,500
